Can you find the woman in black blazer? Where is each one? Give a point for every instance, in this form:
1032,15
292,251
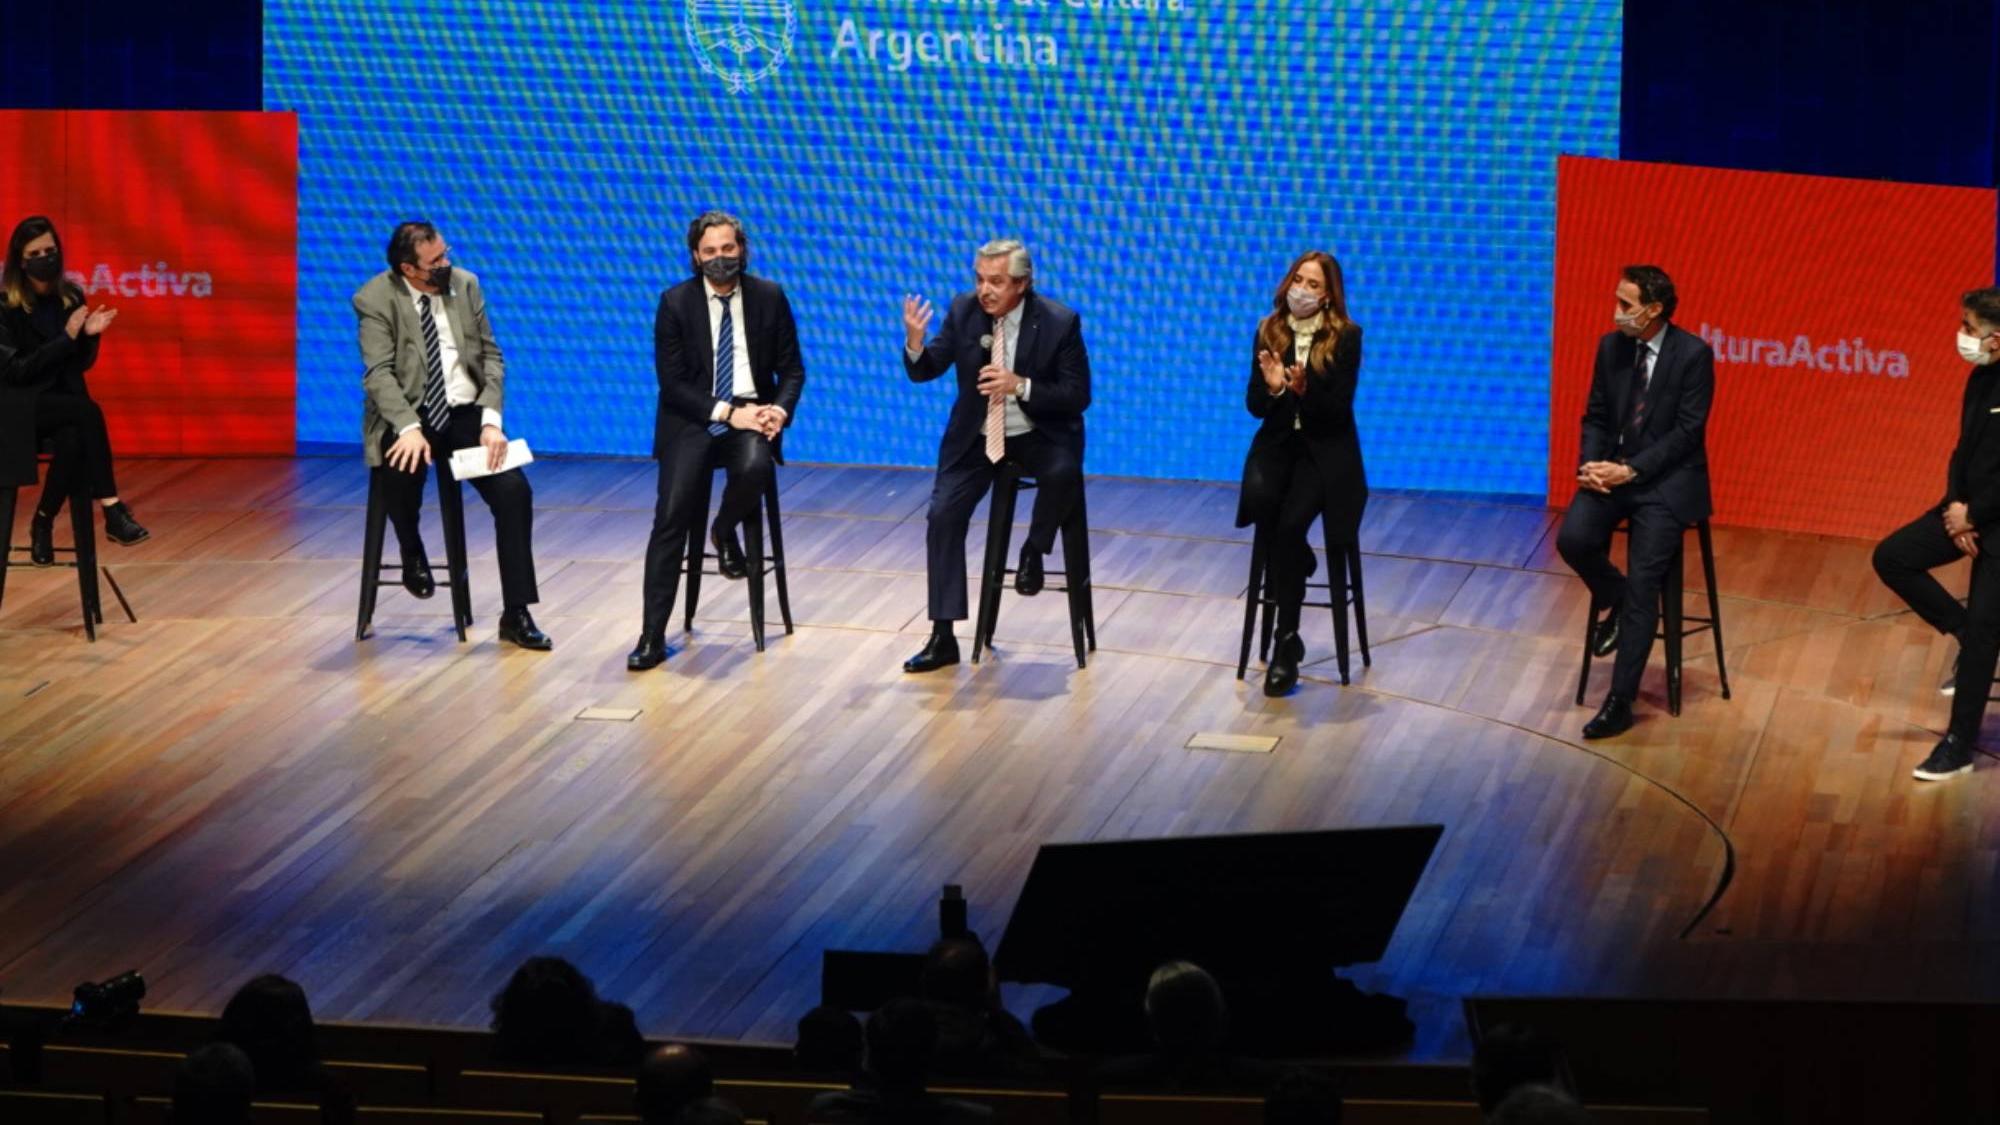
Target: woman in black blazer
40,308
1306,457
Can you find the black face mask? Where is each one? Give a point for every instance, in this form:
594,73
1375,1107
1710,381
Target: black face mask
48,267
722,269
439,277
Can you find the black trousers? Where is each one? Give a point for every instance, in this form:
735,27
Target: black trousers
685,475
1904,561
1058,474
1584,541
82,446
506,494
1284,494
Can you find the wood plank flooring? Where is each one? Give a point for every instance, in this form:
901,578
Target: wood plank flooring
233,785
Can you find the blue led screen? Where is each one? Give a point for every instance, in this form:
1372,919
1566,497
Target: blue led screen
1164,160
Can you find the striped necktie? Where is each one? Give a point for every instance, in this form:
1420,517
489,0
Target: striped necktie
1635,430
725,364
996,407
437,412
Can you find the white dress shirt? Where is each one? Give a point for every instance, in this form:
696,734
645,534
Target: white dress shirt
1652,347
459,389
1303,332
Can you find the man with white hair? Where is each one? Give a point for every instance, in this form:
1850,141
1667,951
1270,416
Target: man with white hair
1023,385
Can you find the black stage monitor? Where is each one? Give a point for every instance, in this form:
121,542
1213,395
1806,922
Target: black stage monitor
1246,904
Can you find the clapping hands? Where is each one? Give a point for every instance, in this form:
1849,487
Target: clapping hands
1278,377
86,321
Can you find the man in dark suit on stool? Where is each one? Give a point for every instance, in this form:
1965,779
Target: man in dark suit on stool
726,351
1953,529
1644,460
1023,385
433,379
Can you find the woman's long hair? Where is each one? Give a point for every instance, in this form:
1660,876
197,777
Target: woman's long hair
14,281
1274,334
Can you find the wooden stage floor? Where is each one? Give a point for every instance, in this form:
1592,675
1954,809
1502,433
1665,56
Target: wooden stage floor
233,785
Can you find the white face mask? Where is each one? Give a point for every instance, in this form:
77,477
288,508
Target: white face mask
1972,349
1302,301
1632,324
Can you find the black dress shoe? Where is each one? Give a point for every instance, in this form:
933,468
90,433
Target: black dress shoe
1614,718
1604,640
121,528
518,627
939,652
651,652
728,555
42,539
417,577
1028,575
1283,674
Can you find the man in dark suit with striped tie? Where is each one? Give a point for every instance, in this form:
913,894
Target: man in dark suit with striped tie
1644,459
434,380
726,351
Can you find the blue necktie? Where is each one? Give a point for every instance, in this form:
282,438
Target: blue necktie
725,364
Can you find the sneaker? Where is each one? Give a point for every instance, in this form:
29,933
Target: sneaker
121,528
1950,685
1949,758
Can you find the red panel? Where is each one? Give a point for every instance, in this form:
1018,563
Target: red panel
187,224
1831,305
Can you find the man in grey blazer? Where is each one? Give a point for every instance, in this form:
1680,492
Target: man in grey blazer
433,379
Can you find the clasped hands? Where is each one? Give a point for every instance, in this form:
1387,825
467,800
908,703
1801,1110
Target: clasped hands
766,420
1958,525
1278,378
1603,476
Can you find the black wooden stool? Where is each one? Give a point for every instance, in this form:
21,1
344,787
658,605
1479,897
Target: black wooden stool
451,512
1343,575
1008,484
1676,625
83,556
695,559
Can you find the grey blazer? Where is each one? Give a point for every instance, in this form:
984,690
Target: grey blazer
392,353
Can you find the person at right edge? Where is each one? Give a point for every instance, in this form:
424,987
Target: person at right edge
1644,460
1949,531
1306,457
